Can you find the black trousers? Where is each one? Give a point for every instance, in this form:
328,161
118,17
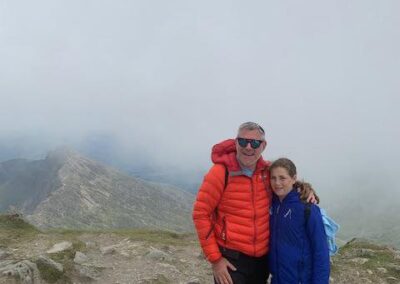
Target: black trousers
249,269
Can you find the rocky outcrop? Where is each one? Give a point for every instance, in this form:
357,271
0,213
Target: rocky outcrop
156,257
362,261
24,272
149,260
140,261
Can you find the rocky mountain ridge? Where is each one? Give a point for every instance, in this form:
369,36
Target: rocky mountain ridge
68,190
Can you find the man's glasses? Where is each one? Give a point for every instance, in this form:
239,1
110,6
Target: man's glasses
253,142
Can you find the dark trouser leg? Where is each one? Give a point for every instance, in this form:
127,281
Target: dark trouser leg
261,271
243,276
249,270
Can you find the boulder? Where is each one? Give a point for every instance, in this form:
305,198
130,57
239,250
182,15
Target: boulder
80,258
48,262
50,270
156,254
108,249
87,273
382,270
25,271
60,247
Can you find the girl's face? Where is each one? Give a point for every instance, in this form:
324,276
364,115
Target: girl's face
281,182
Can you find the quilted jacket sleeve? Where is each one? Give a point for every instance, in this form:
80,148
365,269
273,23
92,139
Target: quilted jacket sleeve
207,200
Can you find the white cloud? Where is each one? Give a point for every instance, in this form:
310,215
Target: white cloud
172,78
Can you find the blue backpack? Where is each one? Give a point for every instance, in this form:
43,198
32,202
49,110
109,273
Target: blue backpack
330,226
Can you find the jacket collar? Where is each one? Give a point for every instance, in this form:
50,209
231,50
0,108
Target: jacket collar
292,196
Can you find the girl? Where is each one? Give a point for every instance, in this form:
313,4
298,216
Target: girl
299,249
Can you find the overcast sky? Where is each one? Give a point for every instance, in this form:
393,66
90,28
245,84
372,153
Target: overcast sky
171,78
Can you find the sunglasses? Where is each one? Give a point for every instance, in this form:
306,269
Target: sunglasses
253,142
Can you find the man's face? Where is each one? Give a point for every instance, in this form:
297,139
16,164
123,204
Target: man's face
248,156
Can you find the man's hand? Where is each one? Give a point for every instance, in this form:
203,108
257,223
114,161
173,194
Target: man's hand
312,198
220,271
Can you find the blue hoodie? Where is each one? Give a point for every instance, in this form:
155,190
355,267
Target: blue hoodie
298,249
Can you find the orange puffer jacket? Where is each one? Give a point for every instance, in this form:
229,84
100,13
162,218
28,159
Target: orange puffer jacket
242,219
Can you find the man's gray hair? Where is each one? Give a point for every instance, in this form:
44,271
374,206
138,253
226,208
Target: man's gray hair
252,126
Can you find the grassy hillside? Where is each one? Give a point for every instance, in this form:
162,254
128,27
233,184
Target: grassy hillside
14,229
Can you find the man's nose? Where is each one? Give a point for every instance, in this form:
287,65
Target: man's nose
248,146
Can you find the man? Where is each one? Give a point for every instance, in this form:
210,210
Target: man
232,216
231,211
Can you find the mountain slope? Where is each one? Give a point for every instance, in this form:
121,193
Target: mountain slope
25,183
67,190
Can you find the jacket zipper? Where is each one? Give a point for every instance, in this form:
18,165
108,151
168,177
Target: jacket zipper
223,231
254,218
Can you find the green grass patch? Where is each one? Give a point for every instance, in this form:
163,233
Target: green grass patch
13,228
145,235
363,244
52,275
335,269
383,259
380,257
154,236
15,222
69,233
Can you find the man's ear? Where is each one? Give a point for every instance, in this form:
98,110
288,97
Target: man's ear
264,145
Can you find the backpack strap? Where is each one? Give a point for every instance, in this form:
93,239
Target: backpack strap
226,178
307,212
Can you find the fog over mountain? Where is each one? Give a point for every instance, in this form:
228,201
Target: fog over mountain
150,86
